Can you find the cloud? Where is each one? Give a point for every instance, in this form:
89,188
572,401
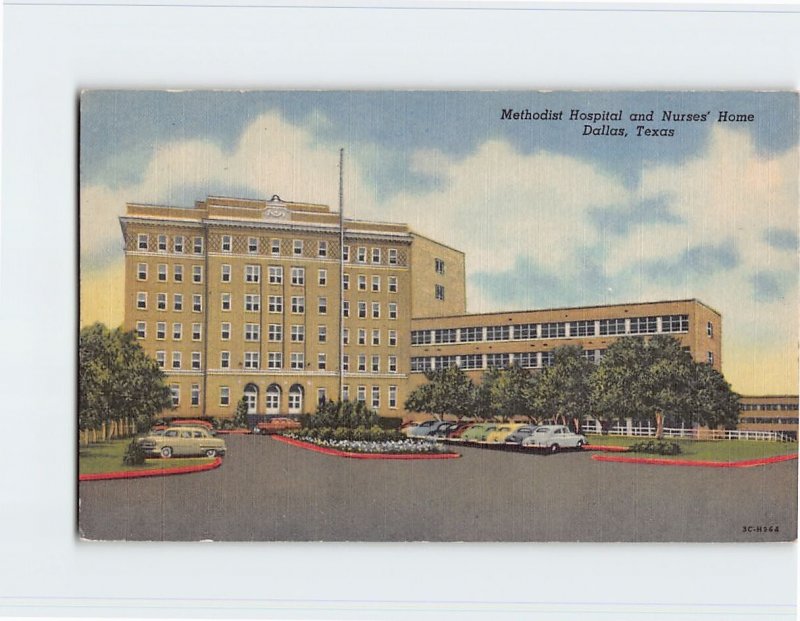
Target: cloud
781,239
773,286
618,219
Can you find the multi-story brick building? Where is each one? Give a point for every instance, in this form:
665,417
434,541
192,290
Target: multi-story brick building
769,413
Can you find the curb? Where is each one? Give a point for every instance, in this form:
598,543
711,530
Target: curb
749,463
605,449
337,453
138,474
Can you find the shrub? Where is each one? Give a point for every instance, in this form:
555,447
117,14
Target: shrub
656,447
134,454
390,422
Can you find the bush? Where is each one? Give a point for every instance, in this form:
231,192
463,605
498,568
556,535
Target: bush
656,447
134,454
390,422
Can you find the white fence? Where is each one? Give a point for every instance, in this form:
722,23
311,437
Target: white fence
593,426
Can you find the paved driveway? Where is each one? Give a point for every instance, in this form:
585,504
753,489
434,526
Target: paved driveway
267,490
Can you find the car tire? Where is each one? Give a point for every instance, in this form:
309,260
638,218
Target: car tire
263,432
579,444
211,453
554,448
166,452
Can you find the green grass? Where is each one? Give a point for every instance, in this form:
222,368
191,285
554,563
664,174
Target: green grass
708,450
106,457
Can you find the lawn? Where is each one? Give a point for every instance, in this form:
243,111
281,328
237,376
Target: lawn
107,457
708,450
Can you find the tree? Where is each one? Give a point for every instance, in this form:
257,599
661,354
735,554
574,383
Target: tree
350,414
508,392
612,384
117,379
448,391
240,416
713,404
563,390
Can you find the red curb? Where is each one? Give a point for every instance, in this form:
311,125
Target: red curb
608,449
330,451
138,474
748,463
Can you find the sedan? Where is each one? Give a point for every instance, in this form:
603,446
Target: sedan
502,432
276,425
520,434
183,442
553,438
478,432
428,429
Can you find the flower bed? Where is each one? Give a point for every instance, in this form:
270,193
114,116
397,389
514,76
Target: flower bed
405,446
328,450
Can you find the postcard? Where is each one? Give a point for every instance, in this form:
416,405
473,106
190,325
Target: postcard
438,316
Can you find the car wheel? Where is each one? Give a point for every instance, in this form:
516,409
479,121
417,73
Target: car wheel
211,453
263,432
579,444
554,448
166,452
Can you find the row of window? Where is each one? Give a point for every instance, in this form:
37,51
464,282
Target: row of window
177,301
758,420
180,243
767,406
275,360
550,330
527,360
273,396
176,360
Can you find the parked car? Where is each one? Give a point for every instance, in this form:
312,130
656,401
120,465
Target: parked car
428,431
458,432
192,422
276,425
503,430
443,430
421,428
183,441
478,432
517,436
553,438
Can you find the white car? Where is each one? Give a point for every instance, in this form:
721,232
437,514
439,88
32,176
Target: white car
554,438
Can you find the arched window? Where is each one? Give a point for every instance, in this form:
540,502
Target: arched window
273,399
295,399
251,395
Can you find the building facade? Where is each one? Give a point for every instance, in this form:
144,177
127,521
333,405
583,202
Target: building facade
769,413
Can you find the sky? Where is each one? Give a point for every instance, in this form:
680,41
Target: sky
549,212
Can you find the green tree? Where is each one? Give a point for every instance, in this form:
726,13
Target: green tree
240,415
349,414
563,391
117,379
713,404
508,392
448,391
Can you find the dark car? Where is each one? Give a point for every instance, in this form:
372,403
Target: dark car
442,431
520,434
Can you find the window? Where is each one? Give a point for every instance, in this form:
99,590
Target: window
362,310
195,359
527,359
141,271
225,331
275,247
297,360
141,300
197,274
177,302
393,397
275,273
392,256
275,332
421,337
675,323
610,327
361,255
297,247
321,361
197,331
362,336
345,253
175,391
322,395
345,308
176,360
143,241
197,303
322,249
161,301
710,329
376,310
547,359
252,302
252,245
522,331
420,364
161,330
252,273
470,335
392,338
439,292
226,243
161,359
361,393
252,332
224,395
177,273
553,330
251,360
141,329
177,244
497,361
225,273
162,243
345,281
376,284
581,328
498,333
298,333
197,245
162,272
298,304
376,337
438,266
345,363
392,284
225,302
362,282
224,359
362,363
710,357
447,335
298,276
322,278
590,355
392,364
376,255
275,304
345,336
643,325
177,331
376,396
472,361
274,360
322,334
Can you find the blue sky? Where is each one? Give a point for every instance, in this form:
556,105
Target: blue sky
546,216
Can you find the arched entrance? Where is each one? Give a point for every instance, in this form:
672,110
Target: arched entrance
273,399
296,399
251,396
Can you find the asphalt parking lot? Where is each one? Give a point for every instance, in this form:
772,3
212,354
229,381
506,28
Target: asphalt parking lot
269,491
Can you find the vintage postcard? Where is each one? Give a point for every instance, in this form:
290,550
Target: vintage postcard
438,316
